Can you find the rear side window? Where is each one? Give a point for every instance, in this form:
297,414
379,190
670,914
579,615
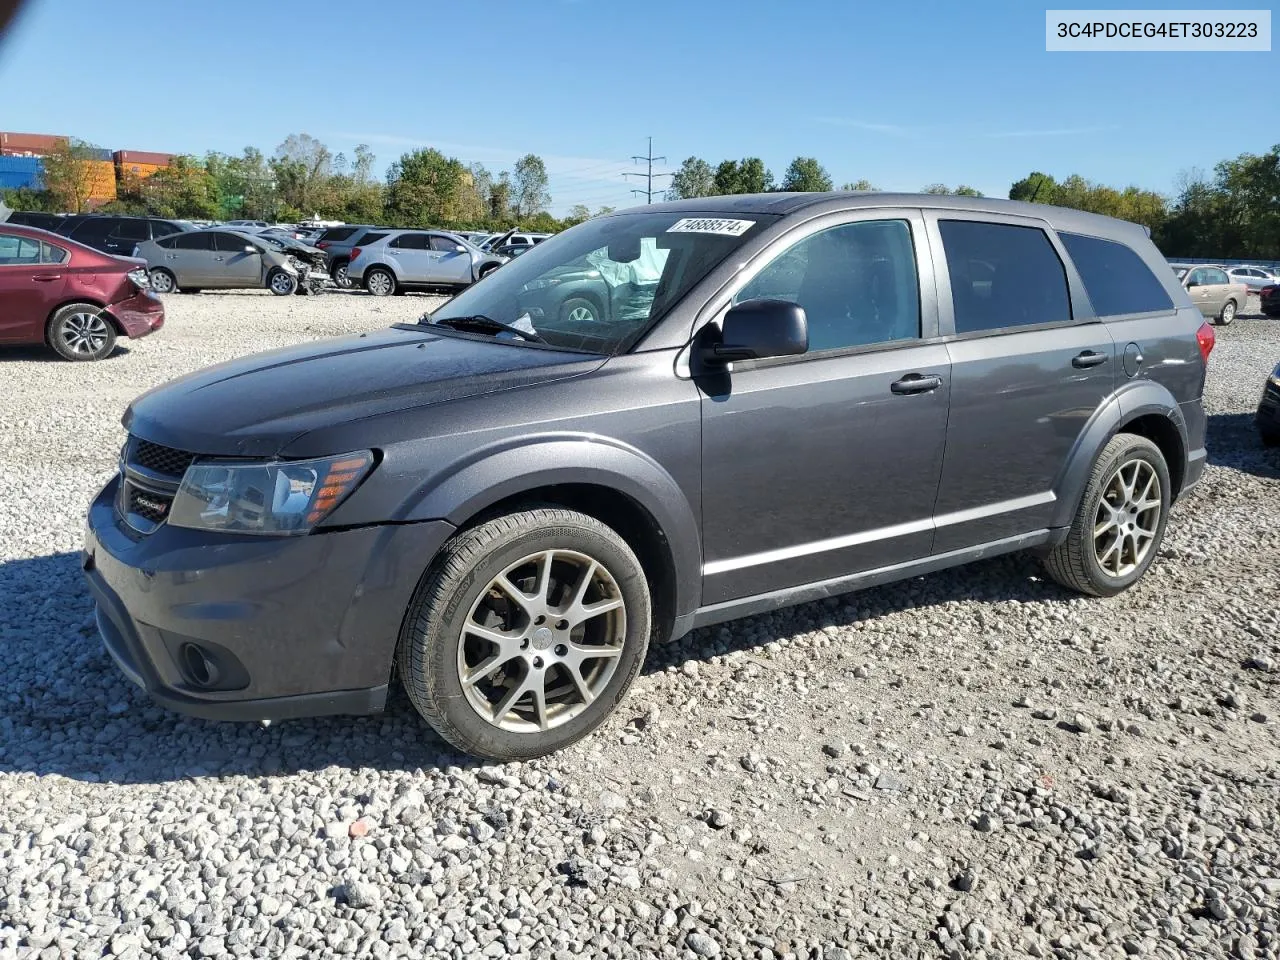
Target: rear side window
91,228
337,234
51,254
132,230
196,240
1115,277
410,241
1003,276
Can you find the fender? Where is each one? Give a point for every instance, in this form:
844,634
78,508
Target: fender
518,465
1134,399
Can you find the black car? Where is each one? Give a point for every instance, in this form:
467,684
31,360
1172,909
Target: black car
118,235
1269,300
1268,417
44,221
783,397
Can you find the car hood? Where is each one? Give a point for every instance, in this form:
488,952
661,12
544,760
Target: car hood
256,406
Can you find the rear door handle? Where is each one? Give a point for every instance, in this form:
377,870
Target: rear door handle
916,383
46,277
1088,358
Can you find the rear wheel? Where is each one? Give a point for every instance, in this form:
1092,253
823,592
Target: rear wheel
162,281
525,633
380,282
81,331
340,274
281,283
579,310
1120,522
1228,313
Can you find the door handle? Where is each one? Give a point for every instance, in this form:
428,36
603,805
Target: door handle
1088,358
916,383
46,277
219,258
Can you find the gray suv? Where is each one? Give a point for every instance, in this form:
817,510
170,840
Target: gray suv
790,396
399,260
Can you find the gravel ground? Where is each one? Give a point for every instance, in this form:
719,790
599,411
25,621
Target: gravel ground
969,764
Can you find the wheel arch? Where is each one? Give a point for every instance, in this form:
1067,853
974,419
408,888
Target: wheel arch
93,301
1142,407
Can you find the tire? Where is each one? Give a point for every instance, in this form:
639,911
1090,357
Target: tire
81,331
380,282
281,283
1084,561
1228,314
188,289
339,274
460,587
579,310
162,281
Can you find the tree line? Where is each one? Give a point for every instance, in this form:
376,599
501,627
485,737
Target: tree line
697,178
303,178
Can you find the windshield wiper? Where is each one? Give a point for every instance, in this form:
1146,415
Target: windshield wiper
480,322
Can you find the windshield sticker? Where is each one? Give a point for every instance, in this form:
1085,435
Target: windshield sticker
723,228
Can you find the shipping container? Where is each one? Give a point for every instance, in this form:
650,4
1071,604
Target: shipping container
29,144
130,157
141,170
102,186
100,153
19,172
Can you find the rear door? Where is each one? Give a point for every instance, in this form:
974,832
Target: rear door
1027,372
236,261
29,289
448,264
410,254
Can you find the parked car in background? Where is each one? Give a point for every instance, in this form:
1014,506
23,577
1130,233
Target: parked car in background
1254,278
1268,416
27,218
417,259
1212,291
1269,298
824,392
312,265
218,258
511,251
75,299
337,244
513,239
118,235
256,224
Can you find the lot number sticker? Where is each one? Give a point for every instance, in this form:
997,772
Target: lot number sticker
723,228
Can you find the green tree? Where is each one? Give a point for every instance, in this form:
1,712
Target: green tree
695,178
1035,187
864,185
244,186
303,169
749,175
73,175
25,198
182,190
806,174
941,189
529,179
427,189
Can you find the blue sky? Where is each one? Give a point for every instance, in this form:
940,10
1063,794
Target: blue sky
903,94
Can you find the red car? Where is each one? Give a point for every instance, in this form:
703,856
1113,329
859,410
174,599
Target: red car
69,296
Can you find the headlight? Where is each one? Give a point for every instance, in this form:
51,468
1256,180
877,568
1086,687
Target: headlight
139,277
282,498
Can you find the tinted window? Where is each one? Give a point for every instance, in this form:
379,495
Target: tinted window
230,243
166,243
338,233
51,254
162,228
444,244
92,228
196,240
1003,276
15,250
1115,277
370,237
857,284
410,241
131,230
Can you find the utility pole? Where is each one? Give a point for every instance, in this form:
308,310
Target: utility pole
648,190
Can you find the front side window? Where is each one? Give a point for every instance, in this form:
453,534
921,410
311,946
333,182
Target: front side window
1115,277
230,243
1214,275
599,286
857,284
1003,276
444,244
18,251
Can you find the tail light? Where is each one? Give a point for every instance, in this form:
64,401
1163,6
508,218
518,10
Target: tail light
355,252
1206,338
322,244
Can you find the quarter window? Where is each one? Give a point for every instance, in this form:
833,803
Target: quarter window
857,284
51,254
1115,277
230,243
18,251
1003,276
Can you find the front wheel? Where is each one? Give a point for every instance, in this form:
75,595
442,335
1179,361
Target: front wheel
1228,313
282,283
380,282
1120,522
80,331
525,633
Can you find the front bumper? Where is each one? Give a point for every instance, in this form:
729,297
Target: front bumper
140,314
1268,415
281,627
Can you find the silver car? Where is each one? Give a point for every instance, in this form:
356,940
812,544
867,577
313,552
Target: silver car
406,259
221,259
1255,278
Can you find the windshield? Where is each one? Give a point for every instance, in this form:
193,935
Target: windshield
600,285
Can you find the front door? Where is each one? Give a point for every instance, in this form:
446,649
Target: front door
1026,377
190,258
448,264
237,261
826,464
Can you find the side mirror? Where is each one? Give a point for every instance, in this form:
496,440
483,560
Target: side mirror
460,249
756,329
250,248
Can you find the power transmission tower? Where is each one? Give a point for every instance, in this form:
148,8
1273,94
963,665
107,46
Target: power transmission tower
648,190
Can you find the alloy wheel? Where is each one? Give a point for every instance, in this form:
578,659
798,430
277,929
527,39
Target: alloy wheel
379,284
340,275
1127,518
581,315
1228,312
281,283
161,282
84,333
542,641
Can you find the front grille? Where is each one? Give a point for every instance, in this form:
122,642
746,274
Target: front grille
160,459
152,507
